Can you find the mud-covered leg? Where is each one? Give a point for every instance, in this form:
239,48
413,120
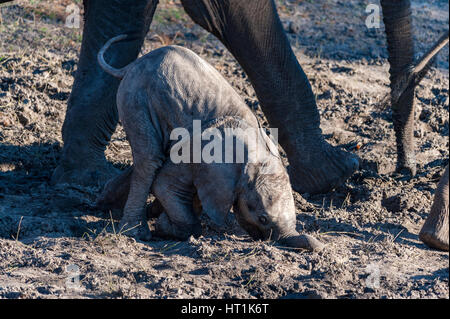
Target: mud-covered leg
434,232
134,220
174,190
91,113
398,23
253,33
148,158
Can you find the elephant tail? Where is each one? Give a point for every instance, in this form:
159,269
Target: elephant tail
415,73
117,73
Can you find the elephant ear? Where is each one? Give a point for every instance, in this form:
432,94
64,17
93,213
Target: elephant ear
249,175
266,173
271,143
216,205
216,190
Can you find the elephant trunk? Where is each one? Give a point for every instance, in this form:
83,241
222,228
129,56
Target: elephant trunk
307,242
398,23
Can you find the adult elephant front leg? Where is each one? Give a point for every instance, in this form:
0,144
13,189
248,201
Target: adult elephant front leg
92,112
253,33
398,23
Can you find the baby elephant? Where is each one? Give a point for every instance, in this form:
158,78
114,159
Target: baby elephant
170,89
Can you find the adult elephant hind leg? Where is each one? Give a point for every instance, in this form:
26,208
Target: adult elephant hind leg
91,115
434,232
253,33
174,190
397,18
115,192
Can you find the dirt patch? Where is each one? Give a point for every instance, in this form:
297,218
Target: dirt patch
370,224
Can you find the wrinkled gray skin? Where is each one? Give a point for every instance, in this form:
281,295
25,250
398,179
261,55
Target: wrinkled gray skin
434,232
167,89
397,17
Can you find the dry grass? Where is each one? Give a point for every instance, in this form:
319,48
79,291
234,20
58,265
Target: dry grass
49,9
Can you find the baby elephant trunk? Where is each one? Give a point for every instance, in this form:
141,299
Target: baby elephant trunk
295,240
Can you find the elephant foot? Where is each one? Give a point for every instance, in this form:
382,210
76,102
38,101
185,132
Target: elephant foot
434,232
407,168
165,228
93,174
136,229
321,170
435,239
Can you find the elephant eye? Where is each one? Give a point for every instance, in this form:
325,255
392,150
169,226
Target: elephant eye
263,220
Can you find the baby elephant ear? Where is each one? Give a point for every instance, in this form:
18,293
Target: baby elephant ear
249,177
271,141
252,169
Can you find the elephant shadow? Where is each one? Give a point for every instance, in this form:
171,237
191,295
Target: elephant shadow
31,208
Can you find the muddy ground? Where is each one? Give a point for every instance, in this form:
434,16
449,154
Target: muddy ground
370,224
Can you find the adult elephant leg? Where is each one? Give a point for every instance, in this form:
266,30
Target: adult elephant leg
253,33
92,113
434,232
398,24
